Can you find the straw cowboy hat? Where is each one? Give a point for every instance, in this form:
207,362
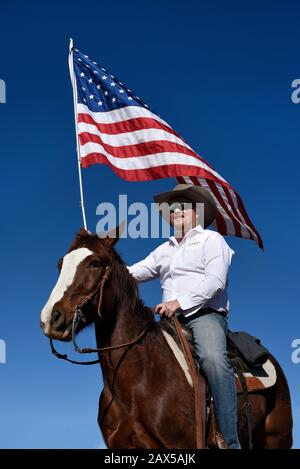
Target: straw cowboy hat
195,194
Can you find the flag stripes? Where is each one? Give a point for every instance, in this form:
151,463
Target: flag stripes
118,129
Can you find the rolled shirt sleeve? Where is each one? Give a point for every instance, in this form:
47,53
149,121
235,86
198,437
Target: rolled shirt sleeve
217,255
144,270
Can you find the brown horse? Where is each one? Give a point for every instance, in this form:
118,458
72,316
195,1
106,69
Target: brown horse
147,401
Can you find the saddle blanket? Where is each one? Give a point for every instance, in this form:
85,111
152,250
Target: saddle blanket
258,378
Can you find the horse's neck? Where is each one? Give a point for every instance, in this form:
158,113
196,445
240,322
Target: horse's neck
131,317
126,316
130,322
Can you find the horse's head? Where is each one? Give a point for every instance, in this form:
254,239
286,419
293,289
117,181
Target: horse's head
81,272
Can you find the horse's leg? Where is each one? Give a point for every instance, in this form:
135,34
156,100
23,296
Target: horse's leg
279,422
131,435
143,440
120,431
278,428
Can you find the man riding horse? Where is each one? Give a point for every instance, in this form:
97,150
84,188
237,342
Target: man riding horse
138,408
193,268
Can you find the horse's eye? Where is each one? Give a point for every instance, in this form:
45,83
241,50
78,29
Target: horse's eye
95,264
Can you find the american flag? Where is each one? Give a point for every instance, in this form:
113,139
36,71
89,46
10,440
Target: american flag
115,127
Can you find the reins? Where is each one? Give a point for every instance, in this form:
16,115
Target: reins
91,350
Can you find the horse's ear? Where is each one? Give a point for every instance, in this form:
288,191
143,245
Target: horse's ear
82,232
113,235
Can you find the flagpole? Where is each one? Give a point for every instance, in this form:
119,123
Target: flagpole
73,80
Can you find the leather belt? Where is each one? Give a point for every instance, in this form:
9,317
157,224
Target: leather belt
201,312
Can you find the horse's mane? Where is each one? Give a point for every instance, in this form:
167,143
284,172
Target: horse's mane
127,291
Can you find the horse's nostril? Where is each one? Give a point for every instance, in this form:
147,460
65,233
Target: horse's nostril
56,315
57,319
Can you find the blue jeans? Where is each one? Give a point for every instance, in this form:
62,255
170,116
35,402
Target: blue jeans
209,331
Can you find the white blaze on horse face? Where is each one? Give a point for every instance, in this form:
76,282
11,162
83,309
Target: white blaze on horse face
65,279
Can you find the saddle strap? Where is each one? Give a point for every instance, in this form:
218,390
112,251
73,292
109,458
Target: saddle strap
246,405
199,387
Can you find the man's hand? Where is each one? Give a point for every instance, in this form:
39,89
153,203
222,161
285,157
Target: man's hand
167,309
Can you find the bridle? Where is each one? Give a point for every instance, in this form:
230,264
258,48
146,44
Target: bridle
80,317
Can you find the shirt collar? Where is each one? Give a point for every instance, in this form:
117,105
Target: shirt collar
191,232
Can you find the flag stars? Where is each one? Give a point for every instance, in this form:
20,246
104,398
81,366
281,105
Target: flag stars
105,88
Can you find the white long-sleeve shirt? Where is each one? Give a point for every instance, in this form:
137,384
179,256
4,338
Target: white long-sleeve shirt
194,271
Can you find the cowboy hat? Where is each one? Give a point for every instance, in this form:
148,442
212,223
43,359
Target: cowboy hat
195,194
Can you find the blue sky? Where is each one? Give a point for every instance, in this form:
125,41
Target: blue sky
220,73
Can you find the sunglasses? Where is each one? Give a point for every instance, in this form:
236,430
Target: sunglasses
181,206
